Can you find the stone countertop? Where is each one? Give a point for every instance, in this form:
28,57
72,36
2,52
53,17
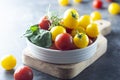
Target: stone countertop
17,15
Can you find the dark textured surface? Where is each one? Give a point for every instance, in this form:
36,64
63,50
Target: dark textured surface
17,15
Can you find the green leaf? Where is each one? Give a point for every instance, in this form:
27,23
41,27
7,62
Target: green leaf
43,38
28,33
34,28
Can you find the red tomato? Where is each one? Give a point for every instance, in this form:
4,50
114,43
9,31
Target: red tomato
23,73
44,23
64,41
97,4
109,0
53,47
68,30
90,41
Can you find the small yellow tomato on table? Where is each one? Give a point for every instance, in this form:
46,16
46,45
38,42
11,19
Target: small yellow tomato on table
114,8
8,62
63,2
77,1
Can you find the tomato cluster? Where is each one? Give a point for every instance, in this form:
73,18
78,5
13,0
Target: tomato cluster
71,31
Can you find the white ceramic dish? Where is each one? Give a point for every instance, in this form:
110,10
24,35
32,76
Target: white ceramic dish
62,57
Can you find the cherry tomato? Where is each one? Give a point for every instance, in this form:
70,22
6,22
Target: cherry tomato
109,0
81,40
90,41
77,1
44,23
8,62
63,2
96,16
70,19
97,4
53,47
114,8
78,29
23,73
84,21
68,30
92,30
64,41
57,30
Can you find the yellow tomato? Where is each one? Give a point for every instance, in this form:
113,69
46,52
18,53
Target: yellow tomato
8,62
78,29
114,8
96,16
57,30
81,40
63,2
77,1
92,30
70,19
84,21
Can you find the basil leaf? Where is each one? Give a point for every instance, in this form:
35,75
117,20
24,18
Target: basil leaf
34,28
40,37
43,38
28,33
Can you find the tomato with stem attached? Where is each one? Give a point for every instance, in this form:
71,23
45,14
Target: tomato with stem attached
70,19
44,23
81,40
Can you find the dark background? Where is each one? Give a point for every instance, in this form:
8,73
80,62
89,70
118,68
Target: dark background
17,15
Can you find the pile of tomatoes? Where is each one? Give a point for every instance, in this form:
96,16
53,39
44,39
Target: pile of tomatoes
72,31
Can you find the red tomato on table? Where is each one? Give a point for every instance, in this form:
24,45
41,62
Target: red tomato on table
23,73
97,4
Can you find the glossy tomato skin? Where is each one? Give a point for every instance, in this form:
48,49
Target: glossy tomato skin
64,41
23,73
68,30
53,46
97,4
109,0
44,23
